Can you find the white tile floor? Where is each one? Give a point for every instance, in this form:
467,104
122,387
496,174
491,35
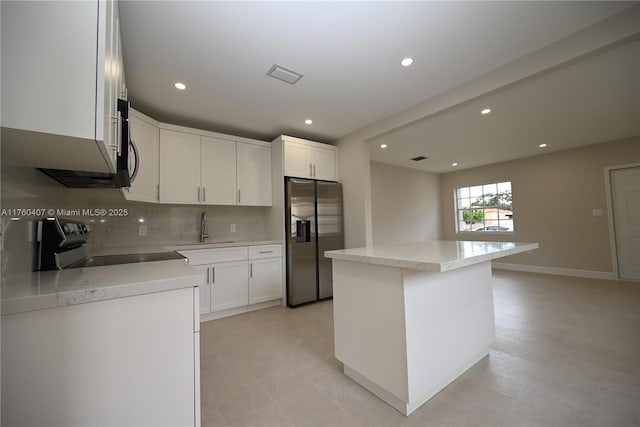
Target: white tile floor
567,353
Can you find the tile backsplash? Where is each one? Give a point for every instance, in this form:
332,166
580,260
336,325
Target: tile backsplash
24,188
167,225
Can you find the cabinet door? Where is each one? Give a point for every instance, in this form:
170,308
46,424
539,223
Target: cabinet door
229,285
297,160
265,280
49,68
144,346
179,167
218,171
254,174
324,164
205,288
146,137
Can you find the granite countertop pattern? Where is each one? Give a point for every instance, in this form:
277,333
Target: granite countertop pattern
181,247
57,288
437,255
49,289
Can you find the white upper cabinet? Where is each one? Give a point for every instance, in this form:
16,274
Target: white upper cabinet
324,163
308,159
218,171
180,163
53,56
297,159
145,135
254,174
197,167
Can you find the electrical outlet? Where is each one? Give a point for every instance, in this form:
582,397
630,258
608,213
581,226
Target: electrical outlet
596,212
142,230
233,228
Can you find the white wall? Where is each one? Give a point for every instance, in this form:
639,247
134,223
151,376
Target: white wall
405,204
553,198
354,174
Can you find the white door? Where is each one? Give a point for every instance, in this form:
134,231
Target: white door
625,192
265,281
179,167
324,164
145,136
297,160
205,288
254,175
229,285
218,171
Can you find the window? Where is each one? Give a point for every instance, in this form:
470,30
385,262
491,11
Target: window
485,208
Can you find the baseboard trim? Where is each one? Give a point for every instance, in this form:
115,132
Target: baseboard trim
239,310
590,274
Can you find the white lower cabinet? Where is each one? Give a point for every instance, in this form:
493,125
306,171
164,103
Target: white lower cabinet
265,280
237,279
205,289
229,285
125,361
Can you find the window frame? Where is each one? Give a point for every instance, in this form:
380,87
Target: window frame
457,210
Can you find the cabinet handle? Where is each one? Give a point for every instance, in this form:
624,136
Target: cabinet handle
207,276
250,269
310,170
314,169
158,192
198,193
204,194
238,195
213,275
265,252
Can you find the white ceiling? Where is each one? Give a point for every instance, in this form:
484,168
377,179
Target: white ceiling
591,101
349,53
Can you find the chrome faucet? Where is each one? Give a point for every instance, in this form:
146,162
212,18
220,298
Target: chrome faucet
204,233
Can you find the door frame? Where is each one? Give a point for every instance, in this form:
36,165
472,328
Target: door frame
612,230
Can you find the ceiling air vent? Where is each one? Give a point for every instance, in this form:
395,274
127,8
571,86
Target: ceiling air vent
281,73
419,158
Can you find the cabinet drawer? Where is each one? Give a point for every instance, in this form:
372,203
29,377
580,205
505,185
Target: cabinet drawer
265,251
211,256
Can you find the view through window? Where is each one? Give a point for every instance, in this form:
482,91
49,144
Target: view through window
485,207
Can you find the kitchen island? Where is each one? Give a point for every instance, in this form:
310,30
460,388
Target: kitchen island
409,319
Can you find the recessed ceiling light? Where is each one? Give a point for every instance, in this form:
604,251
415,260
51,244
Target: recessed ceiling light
308,122
406,62
180,86
454,164
383,145
542,145
485,111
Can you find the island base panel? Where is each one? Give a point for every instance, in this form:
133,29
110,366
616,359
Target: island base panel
404,334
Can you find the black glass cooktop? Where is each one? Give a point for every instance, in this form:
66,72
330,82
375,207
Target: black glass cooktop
99,261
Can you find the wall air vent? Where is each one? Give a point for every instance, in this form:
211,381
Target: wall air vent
281,73
419,158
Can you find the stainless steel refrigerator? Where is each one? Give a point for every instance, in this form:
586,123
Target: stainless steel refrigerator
314,224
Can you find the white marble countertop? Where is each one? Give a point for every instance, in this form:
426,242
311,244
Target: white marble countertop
437,255
182,247
57,288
